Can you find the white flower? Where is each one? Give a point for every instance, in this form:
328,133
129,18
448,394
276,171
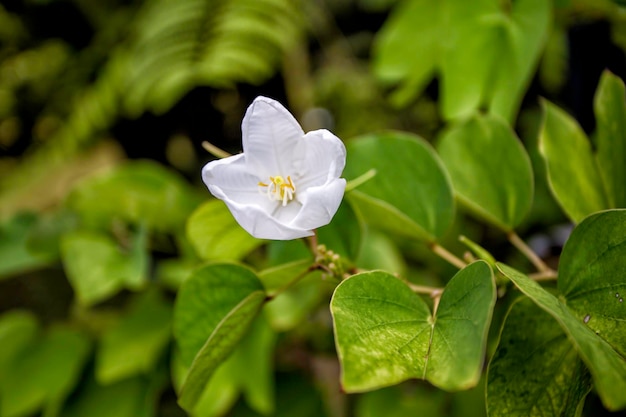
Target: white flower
285,183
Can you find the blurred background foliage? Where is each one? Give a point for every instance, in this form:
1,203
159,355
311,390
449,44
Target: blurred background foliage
103,108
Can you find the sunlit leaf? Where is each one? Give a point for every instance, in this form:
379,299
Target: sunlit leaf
490,170
215,234
535,369
385,333
410,194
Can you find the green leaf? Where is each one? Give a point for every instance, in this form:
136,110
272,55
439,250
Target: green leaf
140,193
535,370
135,344
411,192
248,370
591,275
573,173
43,374
18,329
343,234
485,52
215,234
607,367
398,402
219,346
386,334
610,111
490,170
15,255
134,397
97,268
213,311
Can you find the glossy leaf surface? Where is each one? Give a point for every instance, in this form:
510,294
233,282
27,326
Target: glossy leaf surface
385,333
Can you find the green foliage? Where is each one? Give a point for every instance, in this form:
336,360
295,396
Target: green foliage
38,370
490,170
116,305
386,334
215,234
606,365
236,296
411,192
484,52
535,369
135,344
97,267
584,181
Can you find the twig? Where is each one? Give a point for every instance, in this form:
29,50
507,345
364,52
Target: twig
528,252
447,256
544,275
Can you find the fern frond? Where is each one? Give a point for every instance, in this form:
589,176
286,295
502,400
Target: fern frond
184,43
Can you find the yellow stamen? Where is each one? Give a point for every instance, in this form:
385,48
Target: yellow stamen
280,190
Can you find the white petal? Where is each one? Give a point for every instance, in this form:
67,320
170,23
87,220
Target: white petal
325,159
319,204
271,137
258,222
231,175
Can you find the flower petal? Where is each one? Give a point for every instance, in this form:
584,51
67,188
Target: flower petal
233,178
325,159
259,222
319,205
272,138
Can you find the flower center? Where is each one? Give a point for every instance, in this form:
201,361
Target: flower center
279,189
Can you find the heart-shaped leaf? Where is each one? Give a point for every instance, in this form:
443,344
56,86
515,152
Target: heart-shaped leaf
386,334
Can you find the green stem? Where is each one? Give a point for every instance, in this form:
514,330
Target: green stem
446,255
528,253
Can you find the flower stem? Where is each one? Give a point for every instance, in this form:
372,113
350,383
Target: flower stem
445,255
214,150
277,292
529,253
360,180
